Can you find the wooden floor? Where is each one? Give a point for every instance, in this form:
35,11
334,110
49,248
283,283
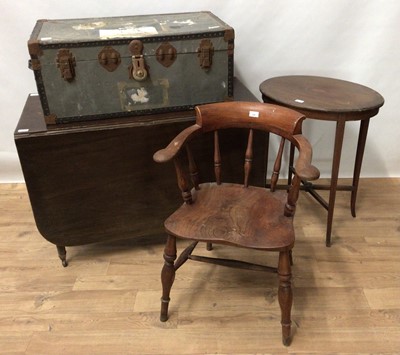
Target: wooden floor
346,298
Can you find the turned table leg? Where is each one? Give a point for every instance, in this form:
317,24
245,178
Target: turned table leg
62,254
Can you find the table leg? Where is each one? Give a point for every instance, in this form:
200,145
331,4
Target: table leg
362,138
340,125
62,254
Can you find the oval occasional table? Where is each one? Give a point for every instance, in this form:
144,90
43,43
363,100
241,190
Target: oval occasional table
330,100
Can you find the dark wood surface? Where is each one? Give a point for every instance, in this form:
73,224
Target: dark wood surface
236,214
97,181
322,98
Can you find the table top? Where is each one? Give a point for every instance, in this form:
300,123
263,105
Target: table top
322,98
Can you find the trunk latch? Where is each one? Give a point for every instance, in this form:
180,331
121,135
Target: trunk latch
205,53
66,63
109,58
166,54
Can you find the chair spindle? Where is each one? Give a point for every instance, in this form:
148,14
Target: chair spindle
217,159
248,158
194,172
277,166
183,183
290,207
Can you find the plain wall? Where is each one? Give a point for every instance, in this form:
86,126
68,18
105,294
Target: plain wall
356,40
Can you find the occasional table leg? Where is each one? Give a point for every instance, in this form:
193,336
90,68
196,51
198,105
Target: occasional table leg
362,138
340,124
62,254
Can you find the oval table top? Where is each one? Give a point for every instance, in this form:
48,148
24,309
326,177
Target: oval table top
322,98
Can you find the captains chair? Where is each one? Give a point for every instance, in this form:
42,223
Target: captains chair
239,215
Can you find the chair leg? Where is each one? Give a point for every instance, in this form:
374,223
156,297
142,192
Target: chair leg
167,275
285,295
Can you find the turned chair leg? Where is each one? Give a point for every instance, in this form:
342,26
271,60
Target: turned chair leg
167,275
285,294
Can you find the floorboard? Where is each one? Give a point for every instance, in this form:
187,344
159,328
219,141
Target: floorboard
346,297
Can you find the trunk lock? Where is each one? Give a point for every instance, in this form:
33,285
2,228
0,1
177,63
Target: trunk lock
138,68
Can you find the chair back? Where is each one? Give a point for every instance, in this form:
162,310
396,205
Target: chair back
249,116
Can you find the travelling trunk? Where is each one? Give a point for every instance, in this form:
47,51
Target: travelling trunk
99,68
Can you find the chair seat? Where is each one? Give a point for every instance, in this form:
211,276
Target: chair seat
249,217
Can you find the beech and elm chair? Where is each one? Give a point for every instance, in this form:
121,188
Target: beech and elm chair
236,214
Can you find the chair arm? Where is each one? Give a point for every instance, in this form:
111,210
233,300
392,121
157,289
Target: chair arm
173,148
303,166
